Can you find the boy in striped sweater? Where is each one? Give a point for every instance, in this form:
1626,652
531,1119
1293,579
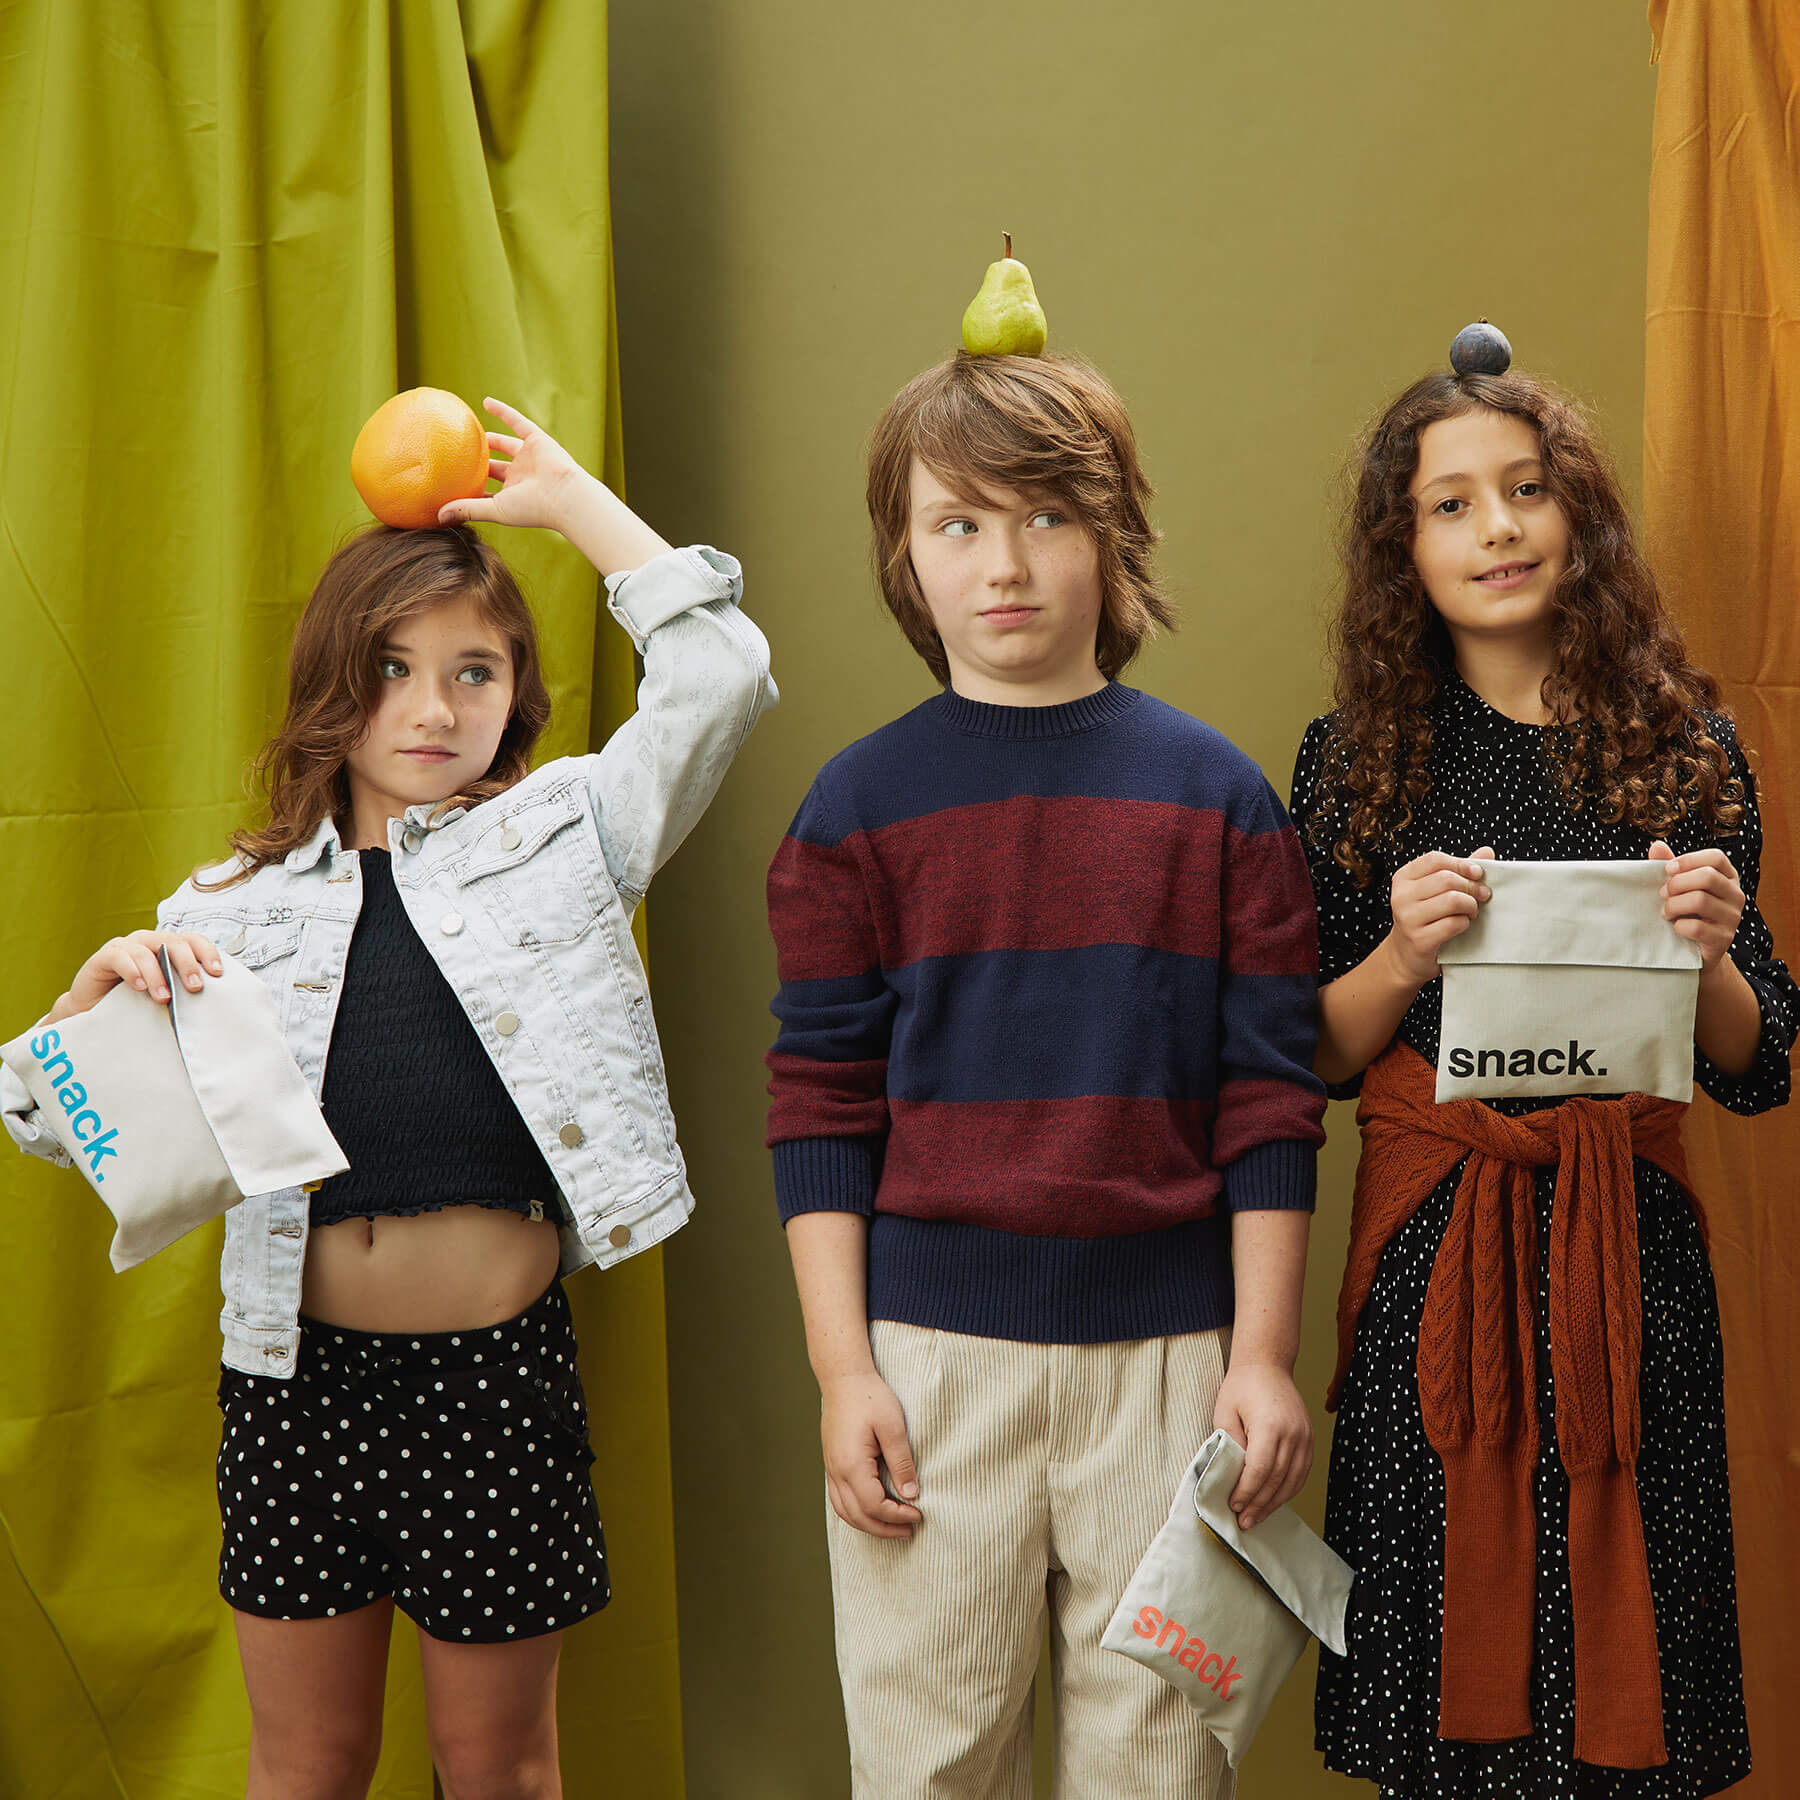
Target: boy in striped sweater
1043,1112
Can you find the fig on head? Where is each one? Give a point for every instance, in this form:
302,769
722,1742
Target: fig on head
1480,349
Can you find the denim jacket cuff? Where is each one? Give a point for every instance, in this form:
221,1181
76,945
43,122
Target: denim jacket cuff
642,599
19,1111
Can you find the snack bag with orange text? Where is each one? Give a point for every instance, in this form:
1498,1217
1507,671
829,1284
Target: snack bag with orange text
1223,1614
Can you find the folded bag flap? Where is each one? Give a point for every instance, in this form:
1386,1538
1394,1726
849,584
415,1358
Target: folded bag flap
1586,914
255,1101
1299,1568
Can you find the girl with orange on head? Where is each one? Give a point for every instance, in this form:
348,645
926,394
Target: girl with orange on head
446,933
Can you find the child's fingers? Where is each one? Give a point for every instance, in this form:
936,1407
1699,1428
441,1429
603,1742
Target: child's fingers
896,1452
876,1512
1661,852
1705,880
1261,1475
183,963
138,965
503,445
455,512
497,469
207,951
511,414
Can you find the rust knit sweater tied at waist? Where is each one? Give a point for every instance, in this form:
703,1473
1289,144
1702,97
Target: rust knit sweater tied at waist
1477,1385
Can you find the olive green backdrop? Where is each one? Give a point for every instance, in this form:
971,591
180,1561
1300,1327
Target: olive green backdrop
227,232
1261,221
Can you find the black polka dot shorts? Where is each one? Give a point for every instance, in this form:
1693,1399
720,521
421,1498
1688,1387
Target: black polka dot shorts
449,1469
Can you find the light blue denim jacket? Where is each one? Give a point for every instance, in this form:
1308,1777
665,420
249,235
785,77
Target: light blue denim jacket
525,901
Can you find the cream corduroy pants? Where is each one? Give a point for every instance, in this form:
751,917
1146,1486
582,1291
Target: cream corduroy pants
1044,1472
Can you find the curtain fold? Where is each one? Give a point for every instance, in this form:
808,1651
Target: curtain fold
1722,521
230,231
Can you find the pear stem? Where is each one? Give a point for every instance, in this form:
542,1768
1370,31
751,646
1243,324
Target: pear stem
1006,238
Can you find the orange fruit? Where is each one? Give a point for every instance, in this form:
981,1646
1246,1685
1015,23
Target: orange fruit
420,450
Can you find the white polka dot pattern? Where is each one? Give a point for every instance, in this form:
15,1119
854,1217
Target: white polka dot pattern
1376,1709
449,1469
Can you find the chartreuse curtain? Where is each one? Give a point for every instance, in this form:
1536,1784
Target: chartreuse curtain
1722,516
228,231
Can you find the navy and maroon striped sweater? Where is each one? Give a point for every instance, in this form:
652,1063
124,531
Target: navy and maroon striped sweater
1048,978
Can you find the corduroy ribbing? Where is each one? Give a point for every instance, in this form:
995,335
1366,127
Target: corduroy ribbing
950,1276
1032,1458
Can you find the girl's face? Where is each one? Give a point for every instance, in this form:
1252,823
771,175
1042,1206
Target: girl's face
446,693
1489,542
1013,587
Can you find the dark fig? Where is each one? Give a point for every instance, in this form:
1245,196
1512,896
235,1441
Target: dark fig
1480,349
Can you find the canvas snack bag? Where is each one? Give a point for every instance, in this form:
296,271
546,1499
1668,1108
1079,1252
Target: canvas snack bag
174,1113
1570,981
1223,1614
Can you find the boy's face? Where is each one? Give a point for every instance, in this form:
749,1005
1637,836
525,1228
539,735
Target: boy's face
1013,587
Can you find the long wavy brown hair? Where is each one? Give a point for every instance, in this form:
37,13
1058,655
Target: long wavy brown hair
1630,739
378,578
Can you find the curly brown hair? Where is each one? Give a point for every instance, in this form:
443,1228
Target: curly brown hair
1048,422
334,677
1630,739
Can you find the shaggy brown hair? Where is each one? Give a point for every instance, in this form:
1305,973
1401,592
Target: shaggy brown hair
334,677
1630,739
1002,422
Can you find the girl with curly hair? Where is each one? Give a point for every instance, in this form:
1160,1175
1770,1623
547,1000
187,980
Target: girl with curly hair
1528,1471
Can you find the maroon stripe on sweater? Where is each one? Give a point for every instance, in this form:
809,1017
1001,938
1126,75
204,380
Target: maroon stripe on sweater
1271,927
1258,1112
809,1098
816,890
1045,873
1097,1166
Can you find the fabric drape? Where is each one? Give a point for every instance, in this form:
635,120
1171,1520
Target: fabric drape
1722,520
230,231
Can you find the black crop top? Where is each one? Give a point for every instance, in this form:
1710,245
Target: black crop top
410,1094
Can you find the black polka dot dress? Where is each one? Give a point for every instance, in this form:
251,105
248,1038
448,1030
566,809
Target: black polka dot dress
1376,1708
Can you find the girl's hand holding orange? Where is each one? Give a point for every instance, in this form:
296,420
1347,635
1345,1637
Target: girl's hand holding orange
537,476
133,958
1435,898
1702,899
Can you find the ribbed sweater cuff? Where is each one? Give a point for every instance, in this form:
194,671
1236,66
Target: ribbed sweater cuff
830,1174
1279,1177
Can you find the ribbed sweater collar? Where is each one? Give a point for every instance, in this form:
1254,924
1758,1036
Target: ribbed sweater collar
979,718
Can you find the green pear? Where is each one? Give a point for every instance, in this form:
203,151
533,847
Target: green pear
1004,318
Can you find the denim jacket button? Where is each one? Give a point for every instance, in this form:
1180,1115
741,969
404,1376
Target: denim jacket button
509,839
450,924
412,842
570,1134
619,1236
507,1024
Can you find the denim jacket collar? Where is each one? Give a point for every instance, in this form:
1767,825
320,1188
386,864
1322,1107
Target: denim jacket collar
422,817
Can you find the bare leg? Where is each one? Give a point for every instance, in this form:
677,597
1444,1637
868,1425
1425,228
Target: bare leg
316,1688
491,1713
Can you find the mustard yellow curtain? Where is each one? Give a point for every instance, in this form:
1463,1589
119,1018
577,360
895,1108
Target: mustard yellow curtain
1722,515
229,230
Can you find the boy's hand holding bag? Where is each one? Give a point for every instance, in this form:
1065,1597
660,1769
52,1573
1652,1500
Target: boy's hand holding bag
1223,1614
174,1113
1569,980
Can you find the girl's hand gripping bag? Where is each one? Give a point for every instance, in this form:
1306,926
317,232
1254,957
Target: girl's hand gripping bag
1569,981
1223,1614
174,1113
